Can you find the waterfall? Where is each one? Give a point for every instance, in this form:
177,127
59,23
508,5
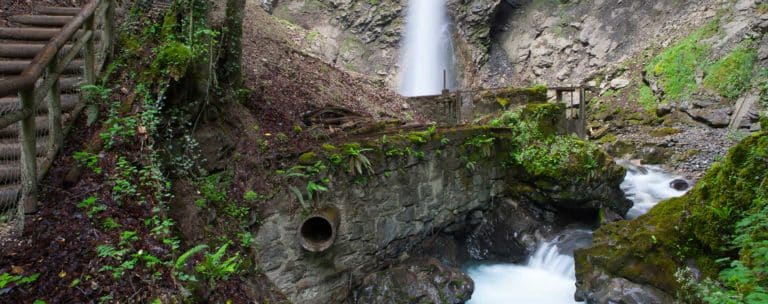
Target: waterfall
549,275
427,50
548,278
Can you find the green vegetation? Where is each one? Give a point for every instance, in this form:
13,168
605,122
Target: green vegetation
7,279
721,225
646,98
664,131
675,68
731,75
89,160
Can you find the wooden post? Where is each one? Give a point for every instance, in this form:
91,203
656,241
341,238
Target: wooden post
108,30
90,53
583,112
54,108
27,136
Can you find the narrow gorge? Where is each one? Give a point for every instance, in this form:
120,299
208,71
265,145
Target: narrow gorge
384,151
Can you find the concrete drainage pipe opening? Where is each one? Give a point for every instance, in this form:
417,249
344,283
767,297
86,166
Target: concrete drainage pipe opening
318,232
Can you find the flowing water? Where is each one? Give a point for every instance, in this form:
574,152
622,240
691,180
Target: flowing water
549,275
646,186
427,50
547,278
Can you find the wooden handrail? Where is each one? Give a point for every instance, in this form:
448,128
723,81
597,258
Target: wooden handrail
26,80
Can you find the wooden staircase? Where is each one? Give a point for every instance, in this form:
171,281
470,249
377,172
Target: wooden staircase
19,44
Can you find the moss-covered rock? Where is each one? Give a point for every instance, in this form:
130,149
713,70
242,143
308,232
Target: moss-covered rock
694,230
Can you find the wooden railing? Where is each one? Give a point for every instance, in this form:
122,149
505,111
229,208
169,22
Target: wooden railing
40,79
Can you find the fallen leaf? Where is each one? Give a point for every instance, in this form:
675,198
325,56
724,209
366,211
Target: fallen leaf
63,274
17,270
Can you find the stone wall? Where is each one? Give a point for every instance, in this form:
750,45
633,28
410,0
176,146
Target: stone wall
463,107
405,201
418,194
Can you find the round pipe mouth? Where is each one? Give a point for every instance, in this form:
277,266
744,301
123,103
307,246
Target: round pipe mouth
317,233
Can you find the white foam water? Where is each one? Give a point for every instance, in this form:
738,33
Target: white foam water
547,278
549,275
645,186
427,49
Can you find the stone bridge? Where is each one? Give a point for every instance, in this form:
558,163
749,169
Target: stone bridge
419,184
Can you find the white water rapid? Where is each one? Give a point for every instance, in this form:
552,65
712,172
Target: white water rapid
427,49
549,276
646,186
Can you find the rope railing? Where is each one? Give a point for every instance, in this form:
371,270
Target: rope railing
39,85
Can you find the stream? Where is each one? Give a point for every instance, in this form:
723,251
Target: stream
549,277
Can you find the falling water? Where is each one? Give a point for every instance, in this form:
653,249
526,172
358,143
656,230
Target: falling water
645,186
548,276
427,50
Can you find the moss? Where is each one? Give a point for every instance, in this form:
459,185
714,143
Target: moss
731,75
504,97
697,227
173,58
308,158
608,138
546,115
664,131
686,155
502,101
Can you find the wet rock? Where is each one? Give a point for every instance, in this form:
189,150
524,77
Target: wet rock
663,109
601,288
416,281
679,184
507,235
714,117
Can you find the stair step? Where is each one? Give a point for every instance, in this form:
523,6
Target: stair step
33,34
41,20
29,34
9,195
17,50
58,11
12,131
11,150
10,172
10,67
68,102
70,84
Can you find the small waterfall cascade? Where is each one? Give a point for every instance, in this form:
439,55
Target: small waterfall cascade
647,185
427,50
548,278
549,275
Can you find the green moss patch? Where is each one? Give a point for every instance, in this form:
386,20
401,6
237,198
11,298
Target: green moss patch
664,131
721,225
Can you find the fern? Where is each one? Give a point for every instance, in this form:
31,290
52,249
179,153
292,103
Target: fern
186,255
